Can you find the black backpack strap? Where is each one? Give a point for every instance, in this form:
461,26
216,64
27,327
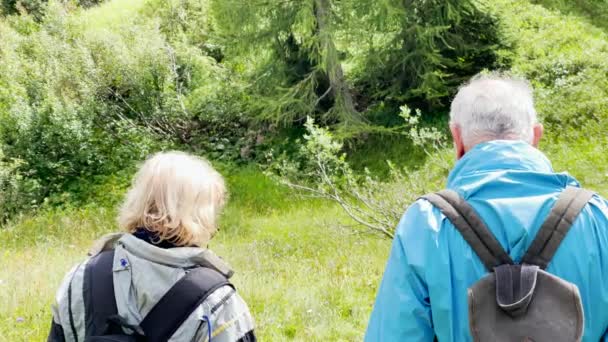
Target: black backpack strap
101,313
98,293
180,301
471,227
567,208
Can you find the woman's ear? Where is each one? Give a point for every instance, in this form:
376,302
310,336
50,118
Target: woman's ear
458,143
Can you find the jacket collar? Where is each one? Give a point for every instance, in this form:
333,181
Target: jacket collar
153,239
183,257
499,155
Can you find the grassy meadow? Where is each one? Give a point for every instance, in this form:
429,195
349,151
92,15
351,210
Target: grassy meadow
305,273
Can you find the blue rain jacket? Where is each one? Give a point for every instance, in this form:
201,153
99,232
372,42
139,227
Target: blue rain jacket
512,187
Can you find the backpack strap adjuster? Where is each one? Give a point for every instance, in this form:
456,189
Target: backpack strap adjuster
515,285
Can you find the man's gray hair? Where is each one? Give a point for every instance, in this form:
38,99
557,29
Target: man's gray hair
494,106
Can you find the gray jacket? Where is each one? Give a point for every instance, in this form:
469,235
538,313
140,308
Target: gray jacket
143,273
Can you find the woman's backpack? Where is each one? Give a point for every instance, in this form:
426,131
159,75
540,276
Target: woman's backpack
520,302
103,324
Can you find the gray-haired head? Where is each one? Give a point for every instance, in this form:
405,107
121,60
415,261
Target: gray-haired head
492,107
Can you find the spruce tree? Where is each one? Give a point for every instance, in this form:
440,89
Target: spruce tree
429,47
290,45
398,51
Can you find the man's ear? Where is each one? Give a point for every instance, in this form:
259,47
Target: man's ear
537,134
458,143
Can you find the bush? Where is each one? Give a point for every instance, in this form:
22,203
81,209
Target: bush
565,58
16,191
321,170
55,119
37,8
595,11
86,93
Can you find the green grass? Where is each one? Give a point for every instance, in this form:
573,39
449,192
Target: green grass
304,276
583,156
594,11
396,148
566,60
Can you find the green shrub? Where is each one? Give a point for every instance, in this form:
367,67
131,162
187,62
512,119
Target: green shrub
16,191
53,116
565,58
594,11
374,203
85,93
37,8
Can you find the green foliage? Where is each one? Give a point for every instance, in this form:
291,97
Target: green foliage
594,11
34,7
56,117
565,58
297,68
376,204
37,8
334,60
419,52
85,94
16,191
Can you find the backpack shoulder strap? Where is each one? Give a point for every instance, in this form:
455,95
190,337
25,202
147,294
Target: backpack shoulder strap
98,288
550,235
180,301
471,227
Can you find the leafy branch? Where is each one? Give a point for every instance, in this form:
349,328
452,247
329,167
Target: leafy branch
321,170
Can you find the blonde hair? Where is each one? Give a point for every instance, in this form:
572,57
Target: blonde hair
177,196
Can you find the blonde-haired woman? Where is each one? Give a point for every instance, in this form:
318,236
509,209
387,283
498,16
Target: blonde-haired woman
166,285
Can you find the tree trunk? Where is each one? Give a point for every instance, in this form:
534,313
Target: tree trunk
343,99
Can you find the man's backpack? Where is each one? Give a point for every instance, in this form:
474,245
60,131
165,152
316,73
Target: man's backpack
103,324
520,302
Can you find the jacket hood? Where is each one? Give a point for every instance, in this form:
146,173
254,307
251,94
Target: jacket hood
499,159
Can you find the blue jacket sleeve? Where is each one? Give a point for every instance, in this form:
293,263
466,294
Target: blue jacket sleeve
402,310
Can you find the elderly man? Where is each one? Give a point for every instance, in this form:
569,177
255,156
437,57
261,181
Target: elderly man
512,187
